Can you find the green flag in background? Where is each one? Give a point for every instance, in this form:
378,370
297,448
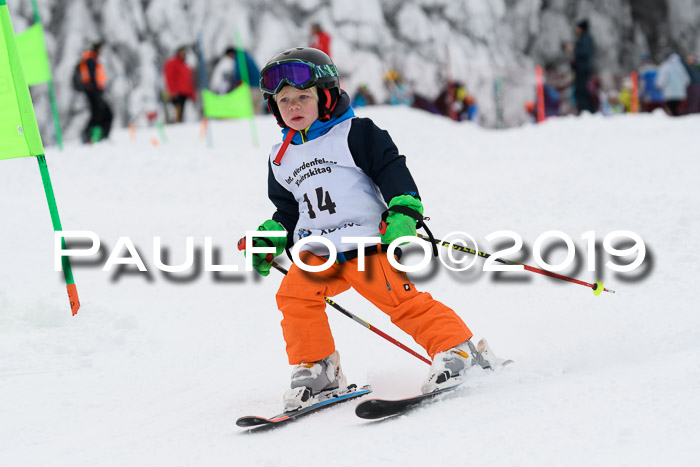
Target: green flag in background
35,60
235,104
19,133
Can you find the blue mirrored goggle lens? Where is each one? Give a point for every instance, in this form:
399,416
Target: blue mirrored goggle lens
295,73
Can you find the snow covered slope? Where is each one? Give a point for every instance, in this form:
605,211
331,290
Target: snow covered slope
156,367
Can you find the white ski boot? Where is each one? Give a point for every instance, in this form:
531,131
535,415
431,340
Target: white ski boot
448,367
315,381
491,360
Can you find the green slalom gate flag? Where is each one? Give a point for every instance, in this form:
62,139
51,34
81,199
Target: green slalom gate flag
235,104
35,60
37,68
19,132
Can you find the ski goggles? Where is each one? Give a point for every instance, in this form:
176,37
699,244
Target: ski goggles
296,73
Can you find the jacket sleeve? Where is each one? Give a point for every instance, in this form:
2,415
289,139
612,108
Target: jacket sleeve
376,154
287,208
168,75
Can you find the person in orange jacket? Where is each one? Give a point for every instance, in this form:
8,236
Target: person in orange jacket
94,81
338,176
179,82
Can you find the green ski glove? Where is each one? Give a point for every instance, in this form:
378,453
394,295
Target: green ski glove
398,224
262,261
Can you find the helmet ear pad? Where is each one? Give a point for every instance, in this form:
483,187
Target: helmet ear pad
327,100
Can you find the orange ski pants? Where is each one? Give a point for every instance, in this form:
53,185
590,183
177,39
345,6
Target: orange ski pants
301,299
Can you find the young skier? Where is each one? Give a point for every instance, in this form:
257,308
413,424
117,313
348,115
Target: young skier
333,176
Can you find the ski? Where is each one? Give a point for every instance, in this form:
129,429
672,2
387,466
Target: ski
373,409
352,392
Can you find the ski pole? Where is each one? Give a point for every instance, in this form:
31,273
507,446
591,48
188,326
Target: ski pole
597,287
362,322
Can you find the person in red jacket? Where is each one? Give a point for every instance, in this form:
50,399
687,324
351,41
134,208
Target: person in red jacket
320,39
178,81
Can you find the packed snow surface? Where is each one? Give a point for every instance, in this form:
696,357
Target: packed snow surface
156,367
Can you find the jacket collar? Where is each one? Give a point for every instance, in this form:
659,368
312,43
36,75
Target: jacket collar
343,111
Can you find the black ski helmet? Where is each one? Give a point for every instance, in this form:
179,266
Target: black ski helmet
328,86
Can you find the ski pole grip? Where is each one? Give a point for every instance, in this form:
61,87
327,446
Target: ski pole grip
242,246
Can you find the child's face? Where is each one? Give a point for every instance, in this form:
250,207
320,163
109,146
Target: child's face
299,108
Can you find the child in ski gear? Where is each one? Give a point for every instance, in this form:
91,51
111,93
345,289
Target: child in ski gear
333,176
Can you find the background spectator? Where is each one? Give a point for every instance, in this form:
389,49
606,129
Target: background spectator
398,93
227,76
582,65
320,39
552,99
251,68
94,79
179,82
673,79
222,76
693,102
650,95
363,97
470,109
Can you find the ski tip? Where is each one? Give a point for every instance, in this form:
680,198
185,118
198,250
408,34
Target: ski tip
252,421
352,392
367,410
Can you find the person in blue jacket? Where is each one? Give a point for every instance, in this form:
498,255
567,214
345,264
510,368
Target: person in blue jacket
227,74
650,94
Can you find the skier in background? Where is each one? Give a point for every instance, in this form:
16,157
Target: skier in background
327,182
179,82
94,81
320,39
